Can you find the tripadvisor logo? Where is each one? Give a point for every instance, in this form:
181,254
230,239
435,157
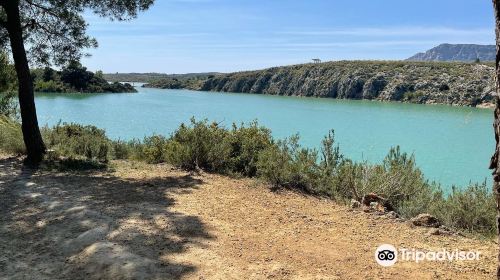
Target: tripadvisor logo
388,255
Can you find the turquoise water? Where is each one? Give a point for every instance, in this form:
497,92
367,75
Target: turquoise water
452,145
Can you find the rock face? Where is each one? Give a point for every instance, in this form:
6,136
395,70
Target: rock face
457,52
462,84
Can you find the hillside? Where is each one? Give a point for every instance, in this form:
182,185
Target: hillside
151,77
461,84
142,221
457,52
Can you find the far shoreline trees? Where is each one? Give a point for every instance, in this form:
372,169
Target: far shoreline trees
75,78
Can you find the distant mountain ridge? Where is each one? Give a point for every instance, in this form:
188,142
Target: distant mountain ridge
457,52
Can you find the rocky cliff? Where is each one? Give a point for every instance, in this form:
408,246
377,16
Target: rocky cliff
461,84
457,52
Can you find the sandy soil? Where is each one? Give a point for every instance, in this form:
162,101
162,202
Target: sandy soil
155,222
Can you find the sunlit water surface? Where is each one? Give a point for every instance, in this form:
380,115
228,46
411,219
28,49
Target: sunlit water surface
452,145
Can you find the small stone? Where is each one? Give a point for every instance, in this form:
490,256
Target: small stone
355,203
367,209
392,215
434,231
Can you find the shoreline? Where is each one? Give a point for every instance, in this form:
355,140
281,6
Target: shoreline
485,105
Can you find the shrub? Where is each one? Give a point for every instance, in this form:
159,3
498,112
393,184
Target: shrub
471,209
121,149
77,141
49,86
273,163
11,136
217,149
154,149
246,144
200,145
287,164
397,178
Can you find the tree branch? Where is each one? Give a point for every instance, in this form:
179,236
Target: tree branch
41,7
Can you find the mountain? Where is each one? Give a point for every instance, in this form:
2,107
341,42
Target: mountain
457,52
463,84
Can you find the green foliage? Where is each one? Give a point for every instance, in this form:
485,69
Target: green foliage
8,79
217,149
8,105
246,143
55,32
153,77
121,149
178,82
397,178
8,85
200,145
287,164
471,209
78,142
49,86
11,137
154,149
75,78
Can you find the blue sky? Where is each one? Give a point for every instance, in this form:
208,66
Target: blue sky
181,36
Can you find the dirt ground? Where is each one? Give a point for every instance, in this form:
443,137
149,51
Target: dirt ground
155,222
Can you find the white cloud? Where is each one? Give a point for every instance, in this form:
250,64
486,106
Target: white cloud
393,31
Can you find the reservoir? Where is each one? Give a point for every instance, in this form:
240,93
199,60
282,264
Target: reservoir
452,145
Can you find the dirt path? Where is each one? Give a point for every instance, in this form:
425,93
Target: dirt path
155,222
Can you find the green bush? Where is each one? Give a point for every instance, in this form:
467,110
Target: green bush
78,141
200,145
397,179
11,136
246,143
154,149
471,209
121,149
217,149
49,86
287,164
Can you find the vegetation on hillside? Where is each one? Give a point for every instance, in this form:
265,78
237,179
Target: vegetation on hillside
193,83
152,77
463,84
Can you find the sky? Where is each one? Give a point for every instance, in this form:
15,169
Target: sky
187,36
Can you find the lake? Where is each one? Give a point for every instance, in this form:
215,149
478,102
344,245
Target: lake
452,145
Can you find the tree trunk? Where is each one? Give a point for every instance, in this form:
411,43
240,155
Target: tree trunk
31,133
494,164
